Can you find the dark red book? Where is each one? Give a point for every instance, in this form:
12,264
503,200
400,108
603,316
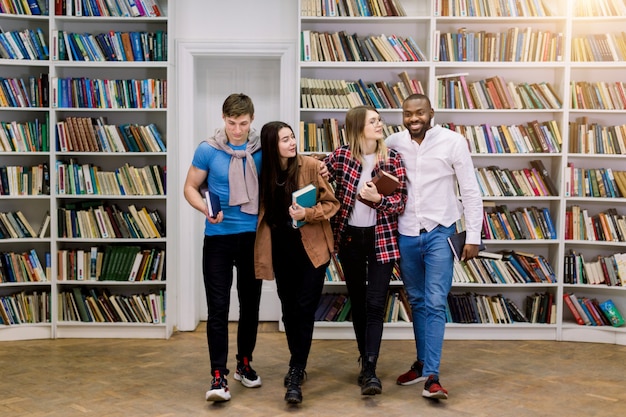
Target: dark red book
385,183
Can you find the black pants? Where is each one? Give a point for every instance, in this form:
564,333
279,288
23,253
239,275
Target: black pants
368,283
299,286
220,254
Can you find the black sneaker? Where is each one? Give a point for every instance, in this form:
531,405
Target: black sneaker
293,382
370,384
246,375
219,389
433,389
413,375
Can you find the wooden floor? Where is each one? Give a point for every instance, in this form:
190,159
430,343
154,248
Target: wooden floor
135,378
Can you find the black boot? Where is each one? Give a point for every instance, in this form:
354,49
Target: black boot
361,378
293,382
370,385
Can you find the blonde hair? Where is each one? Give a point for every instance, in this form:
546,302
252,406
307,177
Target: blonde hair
355,125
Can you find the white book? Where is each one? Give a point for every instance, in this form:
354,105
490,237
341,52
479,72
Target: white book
80,265
135,268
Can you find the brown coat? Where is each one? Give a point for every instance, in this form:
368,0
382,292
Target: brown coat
317,235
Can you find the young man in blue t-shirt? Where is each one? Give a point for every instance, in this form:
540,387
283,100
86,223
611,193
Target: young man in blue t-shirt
229,163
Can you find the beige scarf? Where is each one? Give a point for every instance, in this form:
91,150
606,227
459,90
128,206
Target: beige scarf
243,183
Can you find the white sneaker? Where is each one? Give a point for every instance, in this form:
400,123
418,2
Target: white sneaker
219,389
246,375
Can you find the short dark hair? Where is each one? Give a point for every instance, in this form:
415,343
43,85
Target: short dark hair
418,96
237,105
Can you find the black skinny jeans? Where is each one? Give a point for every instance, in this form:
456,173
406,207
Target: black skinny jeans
219,255
299,285
368,283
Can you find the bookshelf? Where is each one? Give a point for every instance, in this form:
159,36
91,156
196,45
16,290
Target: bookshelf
545,53
89,102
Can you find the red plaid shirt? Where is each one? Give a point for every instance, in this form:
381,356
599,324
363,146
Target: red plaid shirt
345,171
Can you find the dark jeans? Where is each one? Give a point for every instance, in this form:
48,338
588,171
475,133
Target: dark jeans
299,285
219,255
368,283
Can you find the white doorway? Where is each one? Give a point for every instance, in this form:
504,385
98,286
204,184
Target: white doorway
207,73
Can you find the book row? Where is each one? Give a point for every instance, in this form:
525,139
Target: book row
32,307
109,46
506,267
37,7
595,182
94,134
603,8
494,8
606,226
24,180
109,94
530,182
453,91
329,135
24,136
352,8
599,95
341,94
338,307
534,137
342,47
603,47
23,267
603,270
591,312
522,223
513,45
593,138
23,44
16,92
114,8
14,225
99,306
93,220
496,309
111,263
74,178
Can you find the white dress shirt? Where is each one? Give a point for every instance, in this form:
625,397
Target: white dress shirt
433,170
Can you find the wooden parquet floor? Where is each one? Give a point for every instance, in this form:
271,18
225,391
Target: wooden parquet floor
166,378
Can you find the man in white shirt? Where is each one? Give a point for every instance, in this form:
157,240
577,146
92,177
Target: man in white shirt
436,159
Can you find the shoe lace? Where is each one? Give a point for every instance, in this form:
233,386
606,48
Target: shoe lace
295,376
218,379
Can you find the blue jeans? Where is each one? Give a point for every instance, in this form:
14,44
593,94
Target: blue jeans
426,264
220,254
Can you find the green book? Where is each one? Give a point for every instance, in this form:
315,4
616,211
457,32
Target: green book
80,304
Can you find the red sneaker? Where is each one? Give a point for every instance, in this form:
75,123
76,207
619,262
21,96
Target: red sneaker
413,375
433,389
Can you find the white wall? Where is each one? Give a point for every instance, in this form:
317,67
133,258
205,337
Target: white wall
235,19
237,22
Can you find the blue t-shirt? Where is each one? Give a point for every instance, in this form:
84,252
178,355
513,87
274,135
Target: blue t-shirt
216,163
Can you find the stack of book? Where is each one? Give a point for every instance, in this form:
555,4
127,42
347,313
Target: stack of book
604,270
606,226
534,137
590,312
91,305
25,307
522,223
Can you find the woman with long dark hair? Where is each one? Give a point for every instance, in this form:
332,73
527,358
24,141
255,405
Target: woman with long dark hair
296,257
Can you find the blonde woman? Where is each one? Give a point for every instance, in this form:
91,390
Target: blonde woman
365,234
